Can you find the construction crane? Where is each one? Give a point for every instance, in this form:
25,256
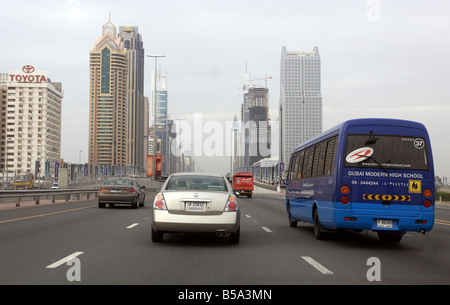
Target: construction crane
263,78
265,93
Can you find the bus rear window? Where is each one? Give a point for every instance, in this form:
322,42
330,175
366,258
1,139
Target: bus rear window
386,152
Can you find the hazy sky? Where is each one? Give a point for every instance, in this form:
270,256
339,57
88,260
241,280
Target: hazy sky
385,58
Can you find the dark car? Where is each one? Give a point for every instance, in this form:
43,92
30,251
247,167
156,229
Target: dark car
121,191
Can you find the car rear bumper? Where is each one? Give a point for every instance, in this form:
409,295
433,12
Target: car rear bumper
167,222
117,198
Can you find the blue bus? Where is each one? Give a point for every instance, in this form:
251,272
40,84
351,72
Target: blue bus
364,174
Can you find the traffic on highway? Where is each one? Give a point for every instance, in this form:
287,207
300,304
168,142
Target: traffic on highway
75,242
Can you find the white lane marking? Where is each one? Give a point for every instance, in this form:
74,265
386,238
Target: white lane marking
267,229
316,265
132,226
64,260
248,216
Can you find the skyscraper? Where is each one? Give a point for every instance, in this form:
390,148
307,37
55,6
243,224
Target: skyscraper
31,106
108,100
161,117
132,41
300,99
256,125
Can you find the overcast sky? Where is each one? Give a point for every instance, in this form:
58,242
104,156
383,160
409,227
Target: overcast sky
386,58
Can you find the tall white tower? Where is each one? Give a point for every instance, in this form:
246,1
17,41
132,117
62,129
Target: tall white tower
300,99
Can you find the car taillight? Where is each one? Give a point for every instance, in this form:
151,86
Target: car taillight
231,205
132,191
160,203
100,190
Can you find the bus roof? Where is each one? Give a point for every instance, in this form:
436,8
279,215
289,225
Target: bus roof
243,174
359,122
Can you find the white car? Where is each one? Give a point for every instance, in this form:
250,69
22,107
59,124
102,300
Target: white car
54,185
196,202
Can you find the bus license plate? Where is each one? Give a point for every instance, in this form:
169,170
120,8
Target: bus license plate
195,206
384,223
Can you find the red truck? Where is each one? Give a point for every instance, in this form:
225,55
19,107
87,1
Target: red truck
243,184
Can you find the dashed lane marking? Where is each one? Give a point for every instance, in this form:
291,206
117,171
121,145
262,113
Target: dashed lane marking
64,260
267,229
316,265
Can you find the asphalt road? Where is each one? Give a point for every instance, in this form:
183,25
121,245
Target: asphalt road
113,246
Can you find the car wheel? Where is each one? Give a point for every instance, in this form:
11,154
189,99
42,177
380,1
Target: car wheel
141,204
101,205
135,203
157,236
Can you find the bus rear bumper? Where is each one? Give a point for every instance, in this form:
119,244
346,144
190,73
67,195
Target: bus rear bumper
422,223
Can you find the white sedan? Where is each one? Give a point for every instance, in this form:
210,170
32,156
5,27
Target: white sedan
196,202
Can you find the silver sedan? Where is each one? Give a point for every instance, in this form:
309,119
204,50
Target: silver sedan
196,202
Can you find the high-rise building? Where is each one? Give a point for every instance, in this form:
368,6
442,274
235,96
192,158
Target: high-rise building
300,99
30,131
161,116
132,41
108,100
256,125
146,130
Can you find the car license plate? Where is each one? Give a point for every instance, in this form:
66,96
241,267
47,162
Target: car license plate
195,206
115,191
384,223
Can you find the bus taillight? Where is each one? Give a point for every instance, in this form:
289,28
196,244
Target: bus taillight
345,200
427,203
345,189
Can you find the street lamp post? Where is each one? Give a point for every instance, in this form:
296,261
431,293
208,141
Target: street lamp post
154,116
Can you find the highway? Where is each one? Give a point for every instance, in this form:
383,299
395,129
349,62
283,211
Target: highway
113,246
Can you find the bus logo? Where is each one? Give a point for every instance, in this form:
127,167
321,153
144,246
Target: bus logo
359,155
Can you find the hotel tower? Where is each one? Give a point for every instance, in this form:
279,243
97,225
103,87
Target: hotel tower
135,95
108,100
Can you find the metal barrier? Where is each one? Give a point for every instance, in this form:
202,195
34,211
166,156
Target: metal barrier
150,187
37,194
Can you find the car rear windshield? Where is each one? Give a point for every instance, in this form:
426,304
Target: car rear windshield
209,183
119,182
386,152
